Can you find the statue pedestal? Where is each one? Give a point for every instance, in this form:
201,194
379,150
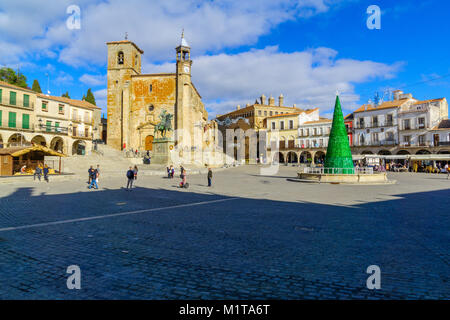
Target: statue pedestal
161,151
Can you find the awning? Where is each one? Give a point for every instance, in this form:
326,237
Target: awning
429,157
418,157
17,152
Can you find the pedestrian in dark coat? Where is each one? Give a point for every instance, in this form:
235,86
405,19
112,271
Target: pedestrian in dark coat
130,176
209,177
46,173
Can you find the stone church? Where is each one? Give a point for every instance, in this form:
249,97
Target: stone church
135,100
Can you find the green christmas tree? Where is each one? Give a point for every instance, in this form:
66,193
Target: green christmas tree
36,87
90,97
339,155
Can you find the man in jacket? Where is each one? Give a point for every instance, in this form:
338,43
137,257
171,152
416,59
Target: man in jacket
130,176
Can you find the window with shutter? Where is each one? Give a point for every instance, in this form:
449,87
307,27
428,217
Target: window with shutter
12,98
25,121
26,100
12,120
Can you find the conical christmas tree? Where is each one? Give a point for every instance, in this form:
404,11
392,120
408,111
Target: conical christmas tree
339,155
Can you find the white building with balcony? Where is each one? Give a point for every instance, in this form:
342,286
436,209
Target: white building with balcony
377,125
417,118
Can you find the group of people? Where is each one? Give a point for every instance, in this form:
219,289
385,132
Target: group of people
131,175
40,169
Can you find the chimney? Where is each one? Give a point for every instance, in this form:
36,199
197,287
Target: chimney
263,99
271,101
397,94
238,107
281,100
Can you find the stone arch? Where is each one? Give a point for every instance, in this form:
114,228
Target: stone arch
319,157
120,57
423,151
403,152
57,144
39,140
292,157
16,139
305,157
79,147
444,152
367,152
384,152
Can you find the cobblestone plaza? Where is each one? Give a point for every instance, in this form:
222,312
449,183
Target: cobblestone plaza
247,237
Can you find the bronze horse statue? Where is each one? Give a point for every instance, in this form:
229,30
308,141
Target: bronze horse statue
165,124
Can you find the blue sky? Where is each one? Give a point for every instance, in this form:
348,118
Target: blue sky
305,49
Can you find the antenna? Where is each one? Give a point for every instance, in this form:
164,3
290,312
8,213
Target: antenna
126,35
48,83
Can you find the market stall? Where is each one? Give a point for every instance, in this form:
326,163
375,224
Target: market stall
23,160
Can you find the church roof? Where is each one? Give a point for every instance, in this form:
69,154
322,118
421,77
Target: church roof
127,41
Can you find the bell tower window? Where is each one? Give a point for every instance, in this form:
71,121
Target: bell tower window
120,58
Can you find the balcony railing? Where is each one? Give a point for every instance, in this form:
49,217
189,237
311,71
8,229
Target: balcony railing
375,125
55,129
81,119
411,128
375,143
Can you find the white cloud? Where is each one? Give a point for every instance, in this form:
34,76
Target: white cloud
308,79
100,98
154,25
93,80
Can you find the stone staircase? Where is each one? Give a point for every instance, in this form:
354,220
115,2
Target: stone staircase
109,159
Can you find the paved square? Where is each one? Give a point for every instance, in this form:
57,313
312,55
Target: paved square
247,237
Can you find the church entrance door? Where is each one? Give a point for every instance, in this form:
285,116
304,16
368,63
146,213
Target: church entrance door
149,143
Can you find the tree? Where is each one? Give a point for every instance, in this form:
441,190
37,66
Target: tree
36,87
90,97
10,76
66,95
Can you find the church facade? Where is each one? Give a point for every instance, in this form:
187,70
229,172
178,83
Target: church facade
135,100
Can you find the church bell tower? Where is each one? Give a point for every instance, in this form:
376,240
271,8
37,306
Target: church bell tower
183,83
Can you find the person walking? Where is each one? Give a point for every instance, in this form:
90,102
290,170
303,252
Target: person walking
209,177
183,178
135,172
130,176
90,173
94,179
37,172
46,173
